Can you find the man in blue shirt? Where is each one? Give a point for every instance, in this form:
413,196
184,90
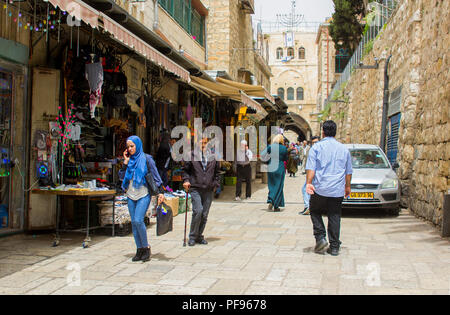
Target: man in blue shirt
329,173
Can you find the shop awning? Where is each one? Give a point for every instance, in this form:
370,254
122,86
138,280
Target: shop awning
223,90
90,16
78,9
260,111
217,89
143,48
252,90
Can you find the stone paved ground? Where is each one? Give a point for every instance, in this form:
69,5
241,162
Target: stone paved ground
250,251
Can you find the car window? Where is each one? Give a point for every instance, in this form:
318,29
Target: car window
368,158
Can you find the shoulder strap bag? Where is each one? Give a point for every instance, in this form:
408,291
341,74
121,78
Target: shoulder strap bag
151,184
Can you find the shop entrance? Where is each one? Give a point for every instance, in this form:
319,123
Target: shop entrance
6,101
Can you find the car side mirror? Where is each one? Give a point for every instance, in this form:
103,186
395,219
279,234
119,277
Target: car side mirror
395,166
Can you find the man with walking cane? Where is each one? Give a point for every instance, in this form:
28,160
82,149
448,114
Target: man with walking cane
201,179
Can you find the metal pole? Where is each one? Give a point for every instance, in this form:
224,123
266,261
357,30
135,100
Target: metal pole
385,106
185,219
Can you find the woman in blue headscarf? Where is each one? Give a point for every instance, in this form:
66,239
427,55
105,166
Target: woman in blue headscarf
133,182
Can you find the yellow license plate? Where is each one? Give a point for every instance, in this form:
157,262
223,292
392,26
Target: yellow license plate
361,195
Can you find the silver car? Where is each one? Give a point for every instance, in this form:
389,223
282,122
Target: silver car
374,183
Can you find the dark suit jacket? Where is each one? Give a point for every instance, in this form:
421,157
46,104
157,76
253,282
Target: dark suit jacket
202,179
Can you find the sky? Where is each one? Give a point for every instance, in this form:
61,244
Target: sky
313,10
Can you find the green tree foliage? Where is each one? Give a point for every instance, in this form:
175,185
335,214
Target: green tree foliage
346,28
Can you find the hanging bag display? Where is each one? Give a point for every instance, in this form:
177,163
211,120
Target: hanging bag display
142,119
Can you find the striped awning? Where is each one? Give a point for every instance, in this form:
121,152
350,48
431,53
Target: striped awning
89,15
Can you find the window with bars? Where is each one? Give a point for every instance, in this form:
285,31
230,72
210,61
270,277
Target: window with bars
290,94
300,94
187,17
280,93
301,53
279,53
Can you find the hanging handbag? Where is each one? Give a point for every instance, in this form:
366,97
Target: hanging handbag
153,189
164,219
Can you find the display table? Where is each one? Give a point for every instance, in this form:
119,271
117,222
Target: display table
77,194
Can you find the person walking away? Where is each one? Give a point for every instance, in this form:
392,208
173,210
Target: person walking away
276,177
329,173
244,170
133,176
201,177
162,159
298,146
305,153
306,196
292,161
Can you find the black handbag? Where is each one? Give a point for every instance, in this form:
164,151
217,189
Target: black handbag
151,184
164,219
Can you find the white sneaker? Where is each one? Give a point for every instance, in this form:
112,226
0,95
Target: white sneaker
237,199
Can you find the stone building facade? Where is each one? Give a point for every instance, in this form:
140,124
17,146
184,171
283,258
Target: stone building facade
231,43
326,54
295,75
417,39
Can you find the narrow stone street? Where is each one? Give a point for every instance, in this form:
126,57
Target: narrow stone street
251,251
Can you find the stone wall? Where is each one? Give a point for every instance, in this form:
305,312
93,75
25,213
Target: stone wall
230,43
417,37
218,34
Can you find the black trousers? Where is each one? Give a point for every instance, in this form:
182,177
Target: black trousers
201,202
332,207
244,172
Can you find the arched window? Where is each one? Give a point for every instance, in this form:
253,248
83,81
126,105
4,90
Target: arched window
300,95
290,94
290,52
279,53
280,93
301,53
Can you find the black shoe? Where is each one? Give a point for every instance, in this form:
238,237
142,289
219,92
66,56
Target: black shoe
276,210
202,242
138,255
191,242
304,211
333,251
146,252
320,246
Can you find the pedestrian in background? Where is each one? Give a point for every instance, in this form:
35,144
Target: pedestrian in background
243,170
306,196
292,161
201,177
136,166
163,156
275,178
329,173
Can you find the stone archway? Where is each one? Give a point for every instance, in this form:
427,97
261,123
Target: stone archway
298,124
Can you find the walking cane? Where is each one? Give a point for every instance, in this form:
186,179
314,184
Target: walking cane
185,219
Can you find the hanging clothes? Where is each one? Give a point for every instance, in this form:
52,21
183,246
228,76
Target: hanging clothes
94,75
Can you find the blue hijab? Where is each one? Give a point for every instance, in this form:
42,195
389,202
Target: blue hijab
137,167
